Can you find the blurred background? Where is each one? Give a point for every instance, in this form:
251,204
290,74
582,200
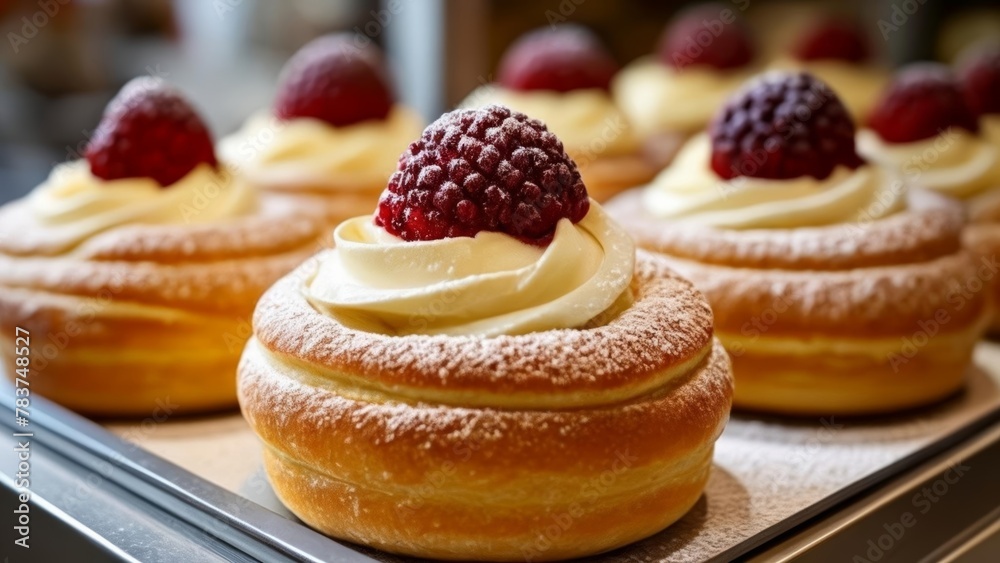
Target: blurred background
64,59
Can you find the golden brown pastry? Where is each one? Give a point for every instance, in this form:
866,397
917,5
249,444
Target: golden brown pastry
562,77
135,275
526,388
333,134
835,288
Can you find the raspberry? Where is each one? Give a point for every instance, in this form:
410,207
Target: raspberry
922,100
333,80
700,36
149,131
979,74
783,125
563,58
832,39
489,169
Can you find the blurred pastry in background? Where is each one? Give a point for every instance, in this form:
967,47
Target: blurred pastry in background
487,301
334,132
969,26
924,127
836,50
703,55
135,269
818,265
561,76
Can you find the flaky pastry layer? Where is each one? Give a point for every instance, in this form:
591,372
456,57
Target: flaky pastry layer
141,314
469,447
818,306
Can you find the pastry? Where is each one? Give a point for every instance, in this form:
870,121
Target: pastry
561,77
835,288
925,128
480,355
836,51
136,269
333,133
704,54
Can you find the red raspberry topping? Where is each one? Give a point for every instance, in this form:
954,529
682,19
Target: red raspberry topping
783,125
149,131
979,74
332,79
922,101
489,169
832,39
563,58
707,34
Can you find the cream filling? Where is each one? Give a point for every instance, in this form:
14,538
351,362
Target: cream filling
689,190
308,153
955,163
658,98
486,285
588,122
75,205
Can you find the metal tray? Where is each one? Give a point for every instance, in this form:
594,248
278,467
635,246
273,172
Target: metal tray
192,489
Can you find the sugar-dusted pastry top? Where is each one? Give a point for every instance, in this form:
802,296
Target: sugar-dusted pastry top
662,334
309,153
485,285
208,246
929,227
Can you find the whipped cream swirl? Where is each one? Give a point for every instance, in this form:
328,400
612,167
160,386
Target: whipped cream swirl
75,205
955,163
486,285
689,190
587,121
658,98
306,153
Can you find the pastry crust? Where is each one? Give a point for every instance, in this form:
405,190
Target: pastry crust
983,237
607,176
543,446
142,316
843,319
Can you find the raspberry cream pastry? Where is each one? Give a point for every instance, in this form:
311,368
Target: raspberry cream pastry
333,134
837,52
478,353
673,94
926,129
136,269
821,269
561,77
